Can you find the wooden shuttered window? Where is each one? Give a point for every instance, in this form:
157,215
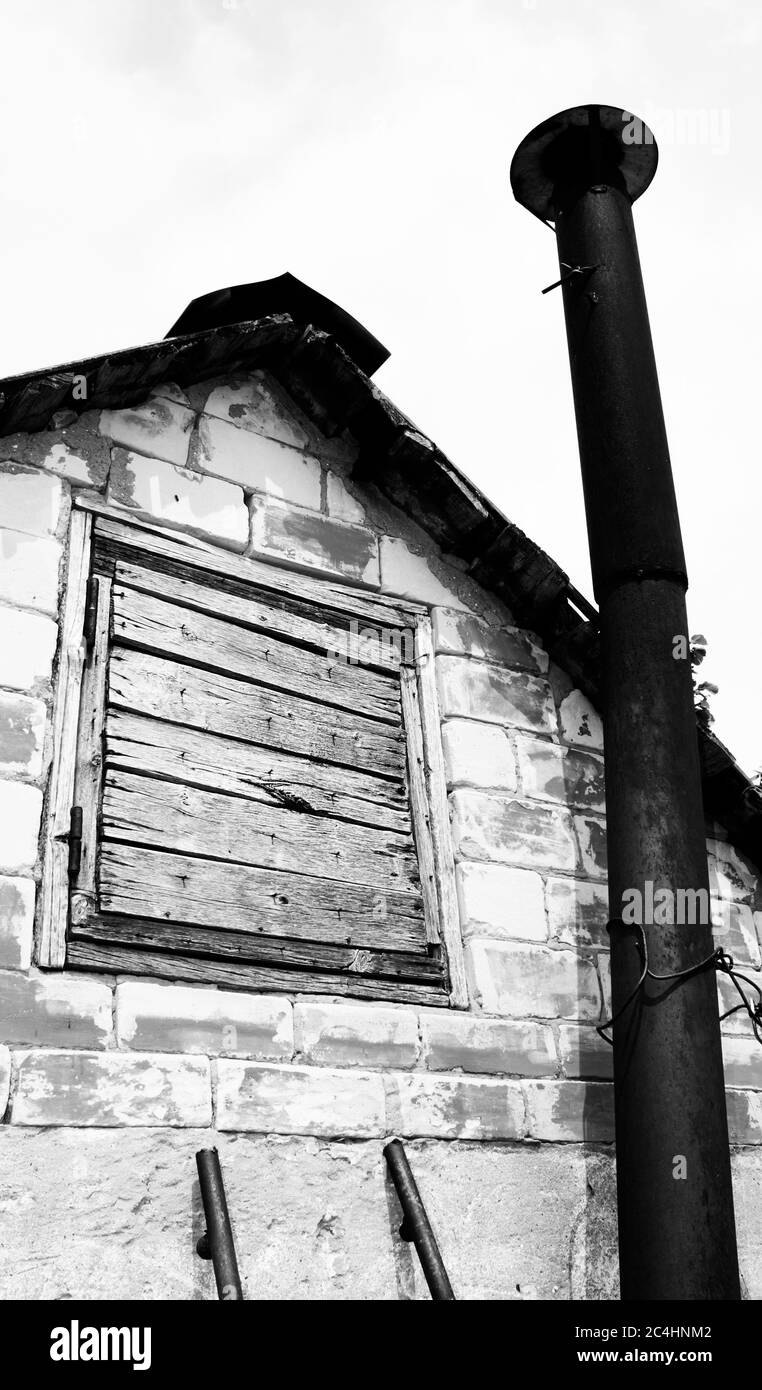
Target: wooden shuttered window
258,811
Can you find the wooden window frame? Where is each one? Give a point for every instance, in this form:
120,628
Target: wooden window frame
78,711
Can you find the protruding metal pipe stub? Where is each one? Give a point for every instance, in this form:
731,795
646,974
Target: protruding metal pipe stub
217,1241
583,147
415,1224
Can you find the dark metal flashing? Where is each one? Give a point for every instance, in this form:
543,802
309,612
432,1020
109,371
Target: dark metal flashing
405,465
282,295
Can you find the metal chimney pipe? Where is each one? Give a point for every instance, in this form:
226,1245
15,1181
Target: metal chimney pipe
582,170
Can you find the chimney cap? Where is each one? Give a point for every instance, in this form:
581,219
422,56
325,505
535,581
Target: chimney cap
579,147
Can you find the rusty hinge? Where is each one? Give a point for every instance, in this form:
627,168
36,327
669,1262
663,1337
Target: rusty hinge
74,838
91,611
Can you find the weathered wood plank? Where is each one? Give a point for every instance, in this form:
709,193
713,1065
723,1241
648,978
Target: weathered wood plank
147,883
439,814
151,746
348,641
152,624
192,821
89,767
419,803
87,955
259,950
149,684
181,549
54,892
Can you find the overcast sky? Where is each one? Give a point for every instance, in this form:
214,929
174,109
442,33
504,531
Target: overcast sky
154,151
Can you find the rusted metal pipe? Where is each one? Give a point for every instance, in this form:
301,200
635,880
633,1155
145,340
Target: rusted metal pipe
582,170
416,1226
216,1244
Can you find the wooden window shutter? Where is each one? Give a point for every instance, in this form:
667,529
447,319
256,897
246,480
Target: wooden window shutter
258,811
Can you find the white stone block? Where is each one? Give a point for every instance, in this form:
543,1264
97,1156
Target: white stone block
311,542
744,1116
580,721
16,923
30,501
181,497
111,1089
159,428
455,1107
27,646
411,576
254,1097
584,1053
478,755
75,465
55,1009
738,929
532,981
341,503
732,876
743,1062
257,463
20,810
568,775
176,1018
363,1035
495,828
462,634
471,1043
257,404
22,735
570,1111
29,571
591,835
578,912
498,901
476,690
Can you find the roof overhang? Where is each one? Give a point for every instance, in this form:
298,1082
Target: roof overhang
333,390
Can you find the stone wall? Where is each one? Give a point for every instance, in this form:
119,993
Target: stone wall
109,1085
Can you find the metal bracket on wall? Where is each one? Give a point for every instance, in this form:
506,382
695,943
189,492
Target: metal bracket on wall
571,271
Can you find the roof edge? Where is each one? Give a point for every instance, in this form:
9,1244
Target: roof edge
316,370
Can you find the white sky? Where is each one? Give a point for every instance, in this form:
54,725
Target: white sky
157,149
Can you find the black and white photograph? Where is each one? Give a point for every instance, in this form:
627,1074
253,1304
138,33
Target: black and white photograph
380,668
